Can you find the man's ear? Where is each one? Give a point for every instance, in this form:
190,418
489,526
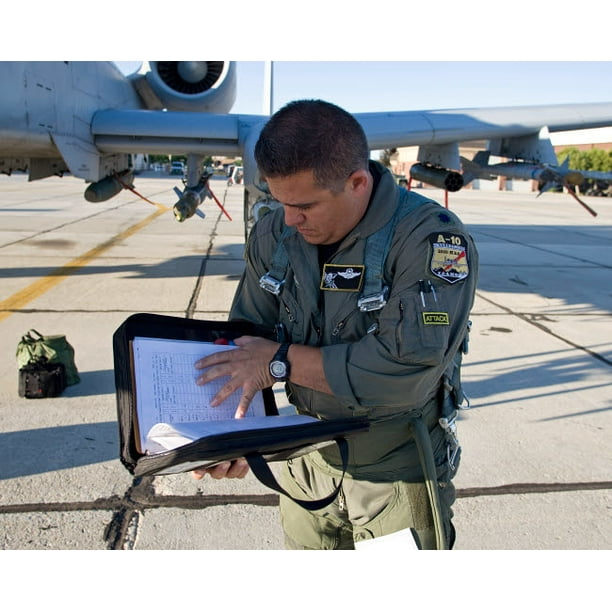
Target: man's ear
359,181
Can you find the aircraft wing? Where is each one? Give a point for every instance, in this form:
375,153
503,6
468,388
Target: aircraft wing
518,132
127,131
171,132
437,127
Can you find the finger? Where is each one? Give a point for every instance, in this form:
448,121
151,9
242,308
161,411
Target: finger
213,372
199,473
226,391
243,406
220,471
238,469
211,360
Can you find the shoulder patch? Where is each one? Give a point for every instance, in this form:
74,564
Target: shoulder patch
449,256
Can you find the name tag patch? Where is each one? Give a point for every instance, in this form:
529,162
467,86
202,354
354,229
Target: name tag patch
435,318
449,260
342,277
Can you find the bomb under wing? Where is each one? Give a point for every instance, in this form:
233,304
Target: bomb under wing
108,187
438,177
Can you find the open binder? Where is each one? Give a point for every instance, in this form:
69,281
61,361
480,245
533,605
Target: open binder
260,439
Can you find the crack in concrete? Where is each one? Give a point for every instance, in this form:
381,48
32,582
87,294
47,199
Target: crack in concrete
196,502
122,530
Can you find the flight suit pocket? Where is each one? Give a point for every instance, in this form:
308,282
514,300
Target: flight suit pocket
423,326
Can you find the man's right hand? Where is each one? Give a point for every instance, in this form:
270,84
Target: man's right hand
238,468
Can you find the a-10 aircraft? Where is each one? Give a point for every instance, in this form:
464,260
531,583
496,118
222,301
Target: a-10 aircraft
86,118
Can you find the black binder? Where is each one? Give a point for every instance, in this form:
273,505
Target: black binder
258,446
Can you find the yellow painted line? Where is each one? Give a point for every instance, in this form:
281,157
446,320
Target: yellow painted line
31,292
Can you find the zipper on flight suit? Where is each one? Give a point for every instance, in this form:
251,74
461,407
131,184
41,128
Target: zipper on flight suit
342,323
289,313
398,328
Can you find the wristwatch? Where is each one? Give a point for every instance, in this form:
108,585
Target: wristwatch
279,366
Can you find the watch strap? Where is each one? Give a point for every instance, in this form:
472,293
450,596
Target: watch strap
281,354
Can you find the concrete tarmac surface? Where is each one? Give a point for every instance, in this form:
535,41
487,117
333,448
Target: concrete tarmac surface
536,471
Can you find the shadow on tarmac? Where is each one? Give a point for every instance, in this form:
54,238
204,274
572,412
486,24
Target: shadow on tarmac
99,382
178,267
36,451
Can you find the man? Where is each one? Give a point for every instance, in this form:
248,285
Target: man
386,362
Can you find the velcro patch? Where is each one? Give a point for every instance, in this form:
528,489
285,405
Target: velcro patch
435,318
449,258
342,278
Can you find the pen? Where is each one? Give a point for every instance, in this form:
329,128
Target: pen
421,289
435,297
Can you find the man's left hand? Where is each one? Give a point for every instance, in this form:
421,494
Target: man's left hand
247,367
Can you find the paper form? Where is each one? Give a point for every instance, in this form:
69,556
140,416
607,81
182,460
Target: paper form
163,436
166,389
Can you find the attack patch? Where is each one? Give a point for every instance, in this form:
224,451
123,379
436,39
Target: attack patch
435,318
342,278
449,260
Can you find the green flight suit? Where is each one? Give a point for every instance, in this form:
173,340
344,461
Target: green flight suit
386,364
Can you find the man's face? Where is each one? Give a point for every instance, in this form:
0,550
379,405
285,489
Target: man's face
320,215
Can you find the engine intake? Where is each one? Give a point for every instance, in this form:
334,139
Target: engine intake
189,86
190,77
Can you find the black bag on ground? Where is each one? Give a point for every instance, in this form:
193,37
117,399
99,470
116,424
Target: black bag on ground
39,379
34,347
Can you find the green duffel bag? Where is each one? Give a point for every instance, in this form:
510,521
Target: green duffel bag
36,348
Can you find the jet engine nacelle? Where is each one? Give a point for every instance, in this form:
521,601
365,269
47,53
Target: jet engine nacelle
208,87
448,180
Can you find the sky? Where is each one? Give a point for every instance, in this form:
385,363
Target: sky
363,86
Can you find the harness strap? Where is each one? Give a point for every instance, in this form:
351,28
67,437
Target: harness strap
375,292
426,455
274,279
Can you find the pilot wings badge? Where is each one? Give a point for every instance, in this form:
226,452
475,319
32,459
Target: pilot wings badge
342,277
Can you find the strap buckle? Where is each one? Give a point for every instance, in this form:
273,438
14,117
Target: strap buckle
271,284
375,301
452,441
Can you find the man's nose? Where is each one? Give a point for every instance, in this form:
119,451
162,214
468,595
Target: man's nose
293,217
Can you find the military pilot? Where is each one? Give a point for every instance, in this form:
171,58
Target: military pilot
346,351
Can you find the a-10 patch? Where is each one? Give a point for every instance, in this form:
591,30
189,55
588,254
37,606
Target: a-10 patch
449,257
342,278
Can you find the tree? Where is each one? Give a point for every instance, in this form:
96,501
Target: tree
592,159
386,155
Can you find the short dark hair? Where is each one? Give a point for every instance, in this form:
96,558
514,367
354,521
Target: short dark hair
312,135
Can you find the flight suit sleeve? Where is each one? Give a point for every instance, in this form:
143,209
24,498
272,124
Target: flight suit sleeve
401,361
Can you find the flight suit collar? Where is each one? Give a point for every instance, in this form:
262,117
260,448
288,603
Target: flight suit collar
381,207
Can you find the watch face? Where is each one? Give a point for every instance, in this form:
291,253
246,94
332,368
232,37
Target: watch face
278,369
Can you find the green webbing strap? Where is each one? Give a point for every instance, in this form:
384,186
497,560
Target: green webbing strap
426,455
273,280
264,474
374,293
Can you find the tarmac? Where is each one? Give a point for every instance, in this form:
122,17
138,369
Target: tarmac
536,470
